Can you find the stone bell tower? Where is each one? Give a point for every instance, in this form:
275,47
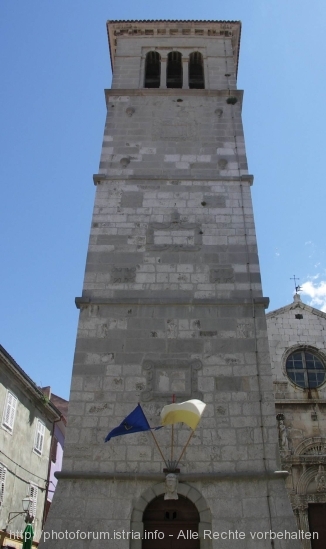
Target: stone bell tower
172,304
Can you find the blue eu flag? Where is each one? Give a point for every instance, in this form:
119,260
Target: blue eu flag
135,422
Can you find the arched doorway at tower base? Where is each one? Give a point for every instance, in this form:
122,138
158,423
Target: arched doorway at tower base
171,524
189,492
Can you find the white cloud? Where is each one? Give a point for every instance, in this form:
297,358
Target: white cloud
317,292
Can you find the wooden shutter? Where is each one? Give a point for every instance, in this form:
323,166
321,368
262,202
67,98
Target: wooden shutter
39,437
3,472
9,411
33,491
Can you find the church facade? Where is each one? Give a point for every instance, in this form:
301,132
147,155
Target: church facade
172,305
297,339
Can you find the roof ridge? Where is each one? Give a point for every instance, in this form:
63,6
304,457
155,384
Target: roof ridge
32,386
297,305
173,21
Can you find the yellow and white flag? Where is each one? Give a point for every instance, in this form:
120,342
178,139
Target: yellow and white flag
188,412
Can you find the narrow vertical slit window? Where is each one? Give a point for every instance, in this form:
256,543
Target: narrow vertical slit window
174,70
152,70
196,71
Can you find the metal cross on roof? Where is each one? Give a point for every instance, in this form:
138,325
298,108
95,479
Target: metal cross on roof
296,287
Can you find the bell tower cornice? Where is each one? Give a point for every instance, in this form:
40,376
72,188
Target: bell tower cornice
180,29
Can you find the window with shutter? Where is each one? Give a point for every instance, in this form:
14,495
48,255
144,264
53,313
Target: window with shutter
33,491
39,437
9,412
3,472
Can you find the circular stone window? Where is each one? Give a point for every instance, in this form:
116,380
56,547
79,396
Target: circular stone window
305,369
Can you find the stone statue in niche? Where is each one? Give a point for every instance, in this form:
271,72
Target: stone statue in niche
171,486
321,480
284,441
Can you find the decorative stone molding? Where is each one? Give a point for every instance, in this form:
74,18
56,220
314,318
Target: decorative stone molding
86,301
312,446
316,498
299,503
320,480
171,486
209,29
306,478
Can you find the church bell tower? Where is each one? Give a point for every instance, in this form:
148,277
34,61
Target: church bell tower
172,305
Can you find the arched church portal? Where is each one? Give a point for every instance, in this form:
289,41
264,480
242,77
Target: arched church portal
171,524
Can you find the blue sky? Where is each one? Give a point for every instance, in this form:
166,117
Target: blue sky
54,61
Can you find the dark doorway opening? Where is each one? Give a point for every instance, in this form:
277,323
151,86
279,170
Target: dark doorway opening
317,523
177,520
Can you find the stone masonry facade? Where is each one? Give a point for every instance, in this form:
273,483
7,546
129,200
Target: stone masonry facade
172,304
294,328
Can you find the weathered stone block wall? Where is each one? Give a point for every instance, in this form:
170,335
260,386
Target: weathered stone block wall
184,238
173,133
134,353
117,506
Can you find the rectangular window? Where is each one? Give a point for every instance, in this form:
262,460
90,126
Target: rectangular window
39,437
3,472
33,490
9,412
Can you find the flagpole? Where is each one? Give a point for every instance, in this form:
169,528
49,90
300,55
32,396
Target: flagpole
183,451
159,449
